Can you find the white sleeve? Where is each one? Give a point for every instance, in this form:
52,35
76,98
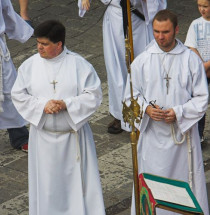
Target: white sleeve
22,99
81,107
189,113
191,37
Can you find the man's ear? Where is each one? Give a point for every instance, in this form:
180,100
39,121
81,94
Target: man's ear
60,44
177,30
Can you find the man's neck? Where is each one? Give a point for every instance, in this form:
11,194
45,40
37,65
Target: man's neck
60,51
170,48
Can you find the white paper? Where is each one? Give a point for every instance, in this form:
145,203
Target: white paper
170,193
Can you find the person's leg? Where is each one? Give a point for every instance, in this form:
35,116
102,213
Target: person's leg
201,126
18,136
24,9
201,122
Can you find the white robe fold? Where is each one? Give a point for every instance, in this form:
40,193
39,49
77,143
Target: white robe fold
114,45
63,170
188,96
14,27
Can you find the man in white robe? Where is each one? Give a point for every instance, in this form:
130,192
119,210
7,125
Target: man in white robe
57,91
114,47
14,27
170,83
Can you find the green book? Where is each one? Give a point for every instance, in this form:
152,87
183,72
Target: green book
168,194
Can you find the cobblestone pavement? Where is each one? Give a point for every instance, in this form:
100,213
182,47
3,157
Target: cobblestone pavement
84,36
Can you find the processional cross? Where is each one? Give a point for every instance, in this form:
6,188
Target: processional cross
54,83
167,81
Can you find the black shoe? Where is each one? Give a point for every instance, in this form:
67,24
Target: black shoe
115,127
29,22
202,139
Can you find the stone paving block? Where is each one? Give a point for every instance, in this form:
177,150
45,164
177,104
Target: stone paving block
20,165
35,14
4,142
106,146
38,5
54,12
115,168
126,212
16,206
12,183
10,155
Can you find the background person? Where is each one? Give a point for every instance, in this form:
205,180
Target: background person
114,47
198,39
12,26
57,91
170,80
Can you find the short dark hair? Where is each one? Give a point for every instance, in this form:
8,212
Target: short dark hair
52,30
166,14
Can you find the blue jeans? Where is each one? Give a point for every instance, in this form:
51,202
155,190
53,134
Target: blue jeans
18,136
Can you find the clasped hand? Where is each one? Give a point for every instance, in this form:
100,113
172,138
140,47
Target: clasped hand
54,106
85,4
157,114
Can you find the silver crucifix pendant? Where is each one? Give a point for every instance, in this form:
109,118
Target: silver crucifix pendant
167,82
54,85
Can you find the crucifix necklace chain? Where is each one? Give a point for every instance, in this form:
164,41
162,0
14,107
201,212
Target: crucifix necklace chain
167,78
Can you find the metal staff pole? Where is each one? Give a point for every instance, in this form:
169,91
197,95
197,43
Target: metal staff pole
132,114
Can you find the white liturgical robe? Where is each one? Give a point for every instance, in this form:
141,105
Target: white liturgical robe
188,96
14,27
114,44
63,170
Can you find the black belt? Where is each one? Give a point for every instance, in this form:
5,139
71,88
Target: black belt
137,13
